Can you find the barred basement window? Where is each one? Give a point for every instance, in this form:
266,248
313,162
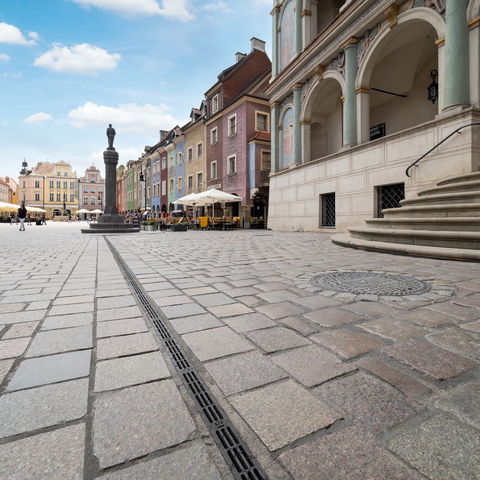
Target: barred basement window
327,207
389,196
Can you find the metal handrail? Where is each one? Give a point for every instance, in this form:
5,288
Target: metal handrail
414,164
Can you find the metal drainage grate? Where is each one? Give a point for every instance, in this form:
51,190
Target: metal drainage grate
371,283
235,452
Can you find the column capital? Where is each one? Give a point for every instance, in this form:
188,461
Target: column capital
274,104
351,42
297,86
306,13
275,10
440,42
305,122
475,23
362,89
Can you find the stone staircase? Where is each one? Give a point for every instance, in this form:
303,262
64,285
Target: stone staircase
442,222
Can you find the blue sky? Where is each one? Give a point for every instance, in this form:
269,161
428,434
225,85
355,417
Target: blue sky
69,67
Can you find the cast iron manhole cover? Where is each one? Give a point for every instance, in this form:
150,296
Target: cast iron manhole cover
370,283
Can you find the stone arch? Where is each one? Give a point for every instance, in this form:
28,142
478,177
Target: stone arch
285,125
419,14
322,117
473,9
400,60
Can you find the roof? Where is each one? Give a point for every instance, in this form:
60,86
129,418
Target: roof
262,136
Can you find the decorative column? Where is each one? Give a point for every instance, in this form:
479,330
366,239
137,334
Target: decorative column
274,14
297,131
350,103
298,26
110,157
474,26
363,109
456,73
274,116
306,126
307,22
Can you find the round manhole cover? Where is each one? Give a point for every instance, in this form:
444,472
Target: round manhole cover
370,283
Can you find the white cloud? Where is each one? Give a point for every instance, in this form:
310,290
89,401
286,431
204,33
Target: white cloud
84,59
175,9
220,6
4,57
127,118
37,118
11,34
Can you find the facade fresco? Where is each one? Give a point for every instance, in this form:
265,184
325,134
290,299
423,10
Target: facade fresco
287,35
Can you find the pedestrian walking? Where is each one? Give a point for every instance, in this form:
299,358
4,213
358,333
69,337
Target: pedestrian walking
22,215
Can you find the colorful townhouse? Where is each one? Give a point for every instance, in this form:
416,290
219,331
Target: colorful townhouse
237,124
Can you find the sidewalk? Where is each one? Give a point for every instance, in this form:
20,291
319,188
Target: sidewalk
318,384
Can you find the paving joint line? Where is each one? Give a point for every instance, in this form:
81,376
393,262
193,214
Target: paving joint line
234,450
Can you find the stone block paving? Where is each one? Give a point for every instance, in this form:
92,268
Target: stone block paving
320,384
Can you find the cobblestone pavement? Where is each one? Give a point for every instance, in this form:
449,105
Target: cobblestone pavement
320,384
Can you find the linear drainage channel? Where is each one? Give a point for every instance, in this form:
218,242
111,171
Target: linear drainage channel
235,452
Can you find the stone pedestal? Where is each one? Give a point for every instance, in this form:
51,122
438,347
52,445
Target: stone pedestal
111,221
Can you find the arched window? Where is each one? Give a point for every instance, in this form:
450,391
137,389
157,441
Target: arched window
286,139
287,35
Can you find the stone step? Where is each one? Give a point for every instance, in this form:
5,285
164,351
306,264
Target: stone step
422,211
466,224
446,198
452,187
459,254
442,238
466,177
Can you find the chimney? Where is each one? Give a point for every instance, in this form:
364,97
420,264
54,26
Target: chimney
257,44
163,134
239,56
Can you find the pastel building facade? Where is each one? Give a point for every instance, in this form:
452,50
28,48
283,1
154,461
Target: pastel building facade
360,90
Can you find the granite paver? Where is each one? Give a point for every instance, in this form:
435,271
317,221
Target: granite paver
121,327
50,369
5,366
56,341
277,338
283,412
29,410
13,348
125,371
195,323
125,345
154,413
67,321
26,458
243,372
441,448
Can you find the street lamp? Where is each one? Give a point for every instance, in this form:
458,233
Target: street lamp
142,178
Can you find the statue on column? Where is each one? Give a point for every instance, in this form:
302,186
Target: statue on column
111,136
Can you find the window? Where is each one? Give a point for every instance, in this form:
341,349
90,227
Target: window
213,136
327,207
179,183
170,160
65,174
52,183
190,154
164,162
213,170
232,125
85,200
65,185
199,180
261,122
59,174
92,200
59,184
215,103
171,185
37,184
59,198
51,197
164,187
92,190
179,158
199,149
72,198
389,196
37,197
72,185
190,182
100,189
232,164
85,189
266,162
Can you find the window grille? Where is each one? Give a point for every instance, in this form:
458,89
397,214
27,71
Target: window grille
389,196
328,209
